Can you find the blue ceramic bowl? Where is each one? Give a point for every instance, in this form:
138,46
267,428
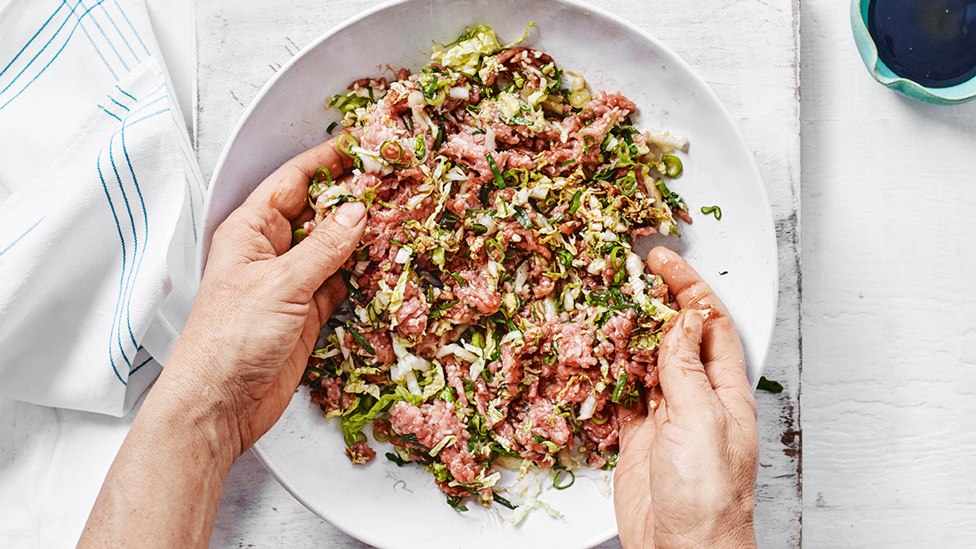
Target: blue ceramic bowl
952,95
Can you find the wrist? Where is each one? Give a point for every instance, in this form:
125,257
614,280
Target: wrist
732,528
186,401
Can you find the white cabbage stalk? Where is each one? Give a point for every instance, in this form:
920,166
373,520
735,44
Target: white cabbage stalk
539,192
521,276
403,255
457,350
459,92
489,223
490,139
597,266
396,301
341,336
587,408
666,141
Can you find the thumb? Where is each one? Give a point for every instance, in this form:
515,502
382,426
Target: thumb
322,252
682,374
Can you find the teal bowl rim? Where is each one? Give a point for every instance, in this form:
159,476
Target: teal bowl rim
960,93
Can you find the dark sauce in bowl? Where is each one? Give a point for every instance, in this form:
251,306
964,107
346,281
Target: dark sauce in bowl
931,42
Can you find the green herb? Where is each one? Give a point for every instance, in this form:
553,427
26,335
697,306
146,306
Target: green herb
499,180
502,501
361,340
574,204
411,439
769,385
396,459
331,127
723,273
522,217
565,257
628,183
455,502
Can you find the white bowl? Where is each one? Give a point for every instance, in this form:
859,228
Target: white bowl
387,506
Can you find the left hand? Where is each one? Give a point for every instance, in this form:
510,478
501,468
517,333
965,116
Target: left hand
262,303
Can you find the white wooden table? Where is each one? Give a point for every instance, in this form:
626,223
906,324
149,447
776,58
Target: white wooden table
239,47
889,447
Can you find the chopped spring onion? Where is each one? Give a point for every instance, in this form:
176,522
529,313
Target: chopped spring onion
346,142
502,501
714,210
522,217
574,204
393,156
494,244
555,479
672,165
499,180
361,340
618,389
578,98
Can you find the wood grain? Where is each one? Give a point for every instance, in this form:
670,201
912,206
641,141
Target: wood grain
747,52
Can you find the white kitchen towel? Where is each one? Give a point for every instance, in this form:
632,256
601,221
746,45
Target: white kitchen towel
100,205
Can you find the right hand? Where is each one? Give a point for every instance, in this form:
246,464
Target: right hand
687,468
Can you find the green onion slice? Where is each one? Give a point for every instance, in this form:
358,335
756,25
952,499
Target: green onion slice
618,389
346,142
499,180
522,217
672,165
574,204
555,480
714,210
391,151
361,340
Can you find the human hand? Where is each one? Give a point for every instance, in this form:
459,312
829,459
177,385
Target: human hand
687,468
262,303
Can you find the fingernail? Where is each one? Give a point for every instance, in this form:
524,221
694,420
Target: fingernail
350,214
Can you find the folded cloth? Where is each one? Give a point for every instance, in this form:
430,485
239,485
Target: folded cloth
101,204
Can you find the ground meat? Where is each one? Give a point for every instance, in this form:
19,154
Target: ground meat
477,294
491,198
575,349
360,453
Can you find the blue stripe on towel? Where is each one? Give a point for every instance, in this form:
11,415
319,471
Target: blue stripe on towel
19,238
48,43
134,31
29,42
107,39
110,113
145,216
97,50
130,274
117,103
135,245
111,356
48,63
119,32
125,92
